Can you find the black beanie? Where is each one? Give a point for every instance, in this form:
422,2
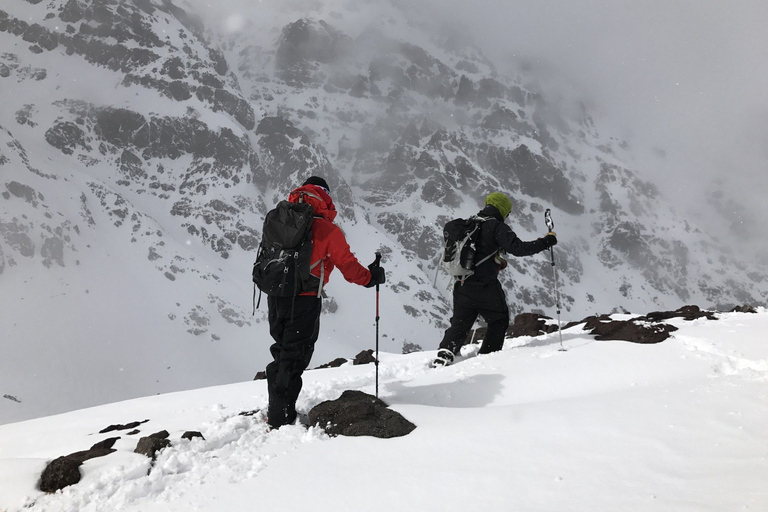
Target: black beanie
315,180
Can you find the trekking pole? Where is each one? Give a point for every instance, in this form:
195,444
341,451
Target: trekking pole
376,362
551,227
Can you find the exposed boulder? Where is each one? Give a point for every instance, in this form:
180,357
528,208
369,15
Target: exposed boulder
333,364
152,444
65,471
365,357
530,324
192,434
356,413
60,473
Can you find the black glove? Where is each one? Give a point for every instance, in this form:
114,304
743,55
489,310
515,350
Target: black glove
550,240
377,275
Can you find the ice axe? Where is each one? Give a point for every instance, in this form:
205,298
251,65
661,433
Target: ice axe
551,227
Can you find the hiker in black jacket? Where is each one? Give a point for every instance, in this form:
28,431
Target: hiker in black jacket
481,293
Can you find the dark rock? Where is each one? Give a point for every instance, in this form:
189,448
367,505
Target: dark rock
191,434
65,471
71,12
334,364
502,118
302,45
150,446
59,473
411,232
52,251
174,68
466,92
97,450
105,444
427,75
356,413
41,36
635,330
236,106
530,324
15,235
746,308
409,348
260,375
163,434
22,191
66,136
127,426
364,357
179,91
291,157
686,313
131,166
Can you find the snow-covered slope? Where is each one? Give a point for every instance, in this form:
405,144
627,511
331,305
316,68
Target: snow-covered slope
141,145
603,426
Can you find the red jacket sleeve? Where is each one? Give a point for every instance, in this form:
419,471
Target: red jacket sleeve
331,244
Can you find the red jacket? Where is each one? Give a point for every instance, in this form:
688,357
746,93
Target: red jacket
328,241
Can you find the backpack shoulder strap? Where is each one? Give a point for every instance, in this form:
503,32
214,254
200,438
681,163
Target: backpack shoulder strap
480,219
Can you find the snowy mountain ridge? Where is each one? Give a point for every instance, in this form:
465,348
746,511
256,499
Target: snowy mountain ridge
141,148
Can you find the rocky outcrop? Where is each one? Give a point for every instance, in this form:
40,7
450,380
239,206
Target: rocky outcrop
120,36
65,471
303,45
635,330
356,413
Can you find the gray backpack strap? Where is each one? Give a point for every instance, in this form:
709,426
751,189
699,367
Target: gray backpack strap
494,253
322,275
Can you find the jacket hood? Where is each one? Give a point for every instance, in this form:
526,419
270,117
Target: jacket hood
491,211
317,198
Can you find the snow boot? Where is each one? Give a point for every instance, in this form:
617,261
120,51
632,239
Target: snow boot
444,358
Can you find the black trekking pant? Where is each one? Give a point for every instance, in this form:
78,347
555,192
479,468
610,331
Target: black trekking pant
294,323
475,298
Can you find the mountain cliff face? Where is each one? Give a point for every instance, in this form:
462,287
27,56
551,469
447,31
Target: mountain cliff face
141,147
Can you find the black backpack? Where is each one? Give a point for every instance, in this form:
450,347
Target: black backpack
461,236
282,267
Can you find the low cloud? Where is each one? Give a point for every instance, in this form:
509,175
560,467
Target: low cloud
684,81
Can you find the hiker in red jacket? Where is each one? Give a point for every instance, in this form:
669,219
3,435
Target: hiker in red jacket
294,322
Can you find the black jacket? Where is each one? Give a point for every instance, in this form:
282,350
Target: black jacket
495,236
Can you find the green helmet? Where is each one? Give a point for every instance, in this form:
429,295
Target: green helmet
501,202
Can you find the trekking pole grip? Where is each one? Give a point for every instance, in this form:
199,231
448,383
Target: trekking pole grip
377,263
